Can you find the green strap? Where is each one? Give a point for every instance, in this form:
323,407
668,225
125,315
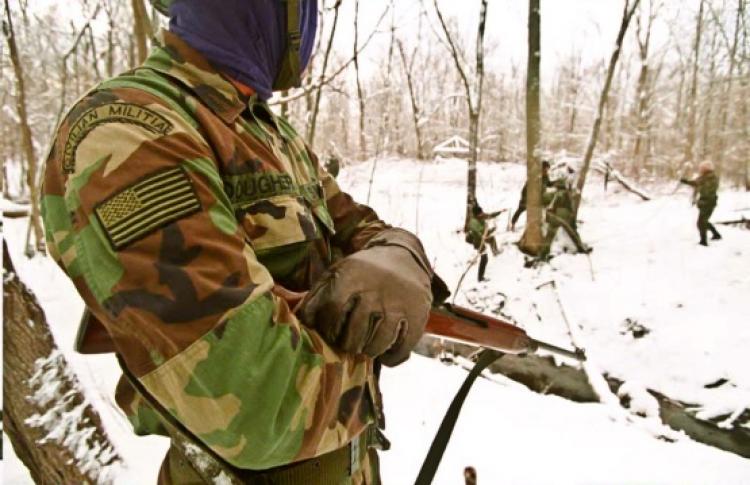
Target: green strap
289,74
443,435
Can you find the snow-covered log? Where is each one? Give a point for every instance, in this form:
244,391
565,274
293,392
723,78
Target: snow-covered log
51,425
544,375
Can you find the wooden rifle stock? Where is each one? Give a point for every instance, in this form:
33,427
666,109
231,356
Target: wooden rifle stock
473,328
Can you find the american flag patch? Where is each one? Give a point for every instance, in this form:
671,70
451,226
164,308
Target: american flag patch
149,204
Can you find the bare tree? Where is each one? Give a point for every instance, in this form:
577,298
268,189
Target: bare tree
141,29
360,93
531,242
27,141
408,68
643,89
627,14
692,101
473,96
319,93
729,85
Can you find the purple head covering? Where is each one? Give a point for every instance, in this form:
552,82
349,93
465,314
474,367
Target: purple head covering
245,39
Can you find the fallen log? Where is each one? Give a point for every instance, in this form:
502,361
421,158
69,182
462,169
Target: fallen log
53,428
543,375
15,213
742,221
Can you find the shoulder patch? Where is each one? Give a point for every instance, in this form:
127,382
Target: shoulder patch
146,206
144,117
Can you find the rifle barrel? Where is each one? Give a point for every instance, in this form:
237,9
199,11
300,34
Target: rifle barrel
473,328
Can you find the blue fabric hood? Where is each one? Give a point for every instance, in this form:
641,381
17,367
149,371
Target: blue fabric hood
245,39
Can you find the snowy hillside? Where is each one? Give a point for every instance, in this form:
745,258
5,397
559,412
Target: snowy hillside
646,268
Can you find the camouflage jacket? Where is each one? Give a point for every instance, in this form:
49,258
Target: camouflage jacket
175,204
706,188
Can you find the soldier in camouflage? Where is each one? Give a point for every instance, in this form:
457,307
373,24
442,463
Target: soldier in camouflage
192,220
560,213
480,235
706,186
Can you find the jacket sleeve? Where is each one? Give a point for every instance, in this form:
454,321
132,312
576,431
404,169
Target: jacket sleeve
692,183
144,229
355,224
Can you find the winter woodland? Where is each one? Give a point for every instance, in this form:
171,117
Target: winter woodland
633,94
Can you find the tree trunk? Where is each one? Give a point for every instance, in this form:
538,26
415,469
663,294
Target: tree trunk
692,101
319,93
141,29
643,98
475,111
473,100
52,427
627,14
531,242
415,110
35,224
383,140
360,93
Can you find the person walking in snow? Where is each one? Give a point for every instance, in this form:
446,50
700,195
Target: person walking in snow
546,182
192,219
479,234
706,186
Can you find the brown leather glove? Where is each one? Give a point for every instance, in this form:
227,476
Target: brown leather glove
376,301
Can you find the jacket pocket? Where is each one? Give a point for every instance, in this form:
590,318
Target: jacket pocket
279,221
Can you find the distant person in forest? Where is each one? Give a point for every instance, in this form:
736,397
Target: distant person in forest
546,182
479,235
333,165
560,212
706,186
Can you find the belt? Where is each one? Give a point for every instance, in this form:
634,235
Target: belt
333,468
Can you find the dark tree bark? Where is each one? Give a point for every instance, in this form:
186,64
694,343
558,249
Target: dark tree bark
531,242
59,437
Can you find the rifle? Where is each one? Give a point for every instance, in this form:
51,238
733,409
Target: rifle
473,328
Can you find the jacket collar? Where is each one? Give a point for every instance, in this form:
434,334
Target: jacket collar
173,57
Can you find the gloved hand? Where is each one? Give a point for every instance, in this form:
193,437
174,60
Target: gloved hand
375,301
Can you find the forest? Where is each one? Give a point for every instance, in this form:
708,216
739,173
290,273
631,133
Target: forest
432,106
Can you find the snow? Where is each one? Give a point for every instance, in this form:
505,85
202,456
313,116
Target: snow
646,272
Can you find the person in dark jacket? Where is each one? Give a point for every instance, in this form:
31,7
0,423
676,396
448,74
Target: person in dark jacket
546,182
706,186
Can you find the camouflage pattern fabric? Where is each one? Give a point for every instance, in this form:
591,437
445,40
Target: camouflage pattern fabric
475,232
175,203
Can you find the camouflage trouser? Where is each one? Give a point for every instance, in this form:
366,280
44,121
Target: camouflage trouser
331,469
554,222
704,214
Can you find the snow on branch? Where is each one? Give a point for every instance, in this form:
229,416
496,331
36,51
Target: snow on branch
606,169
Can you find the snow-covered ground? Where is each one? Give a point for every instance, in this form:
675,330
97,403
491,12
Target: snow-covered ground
646,268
